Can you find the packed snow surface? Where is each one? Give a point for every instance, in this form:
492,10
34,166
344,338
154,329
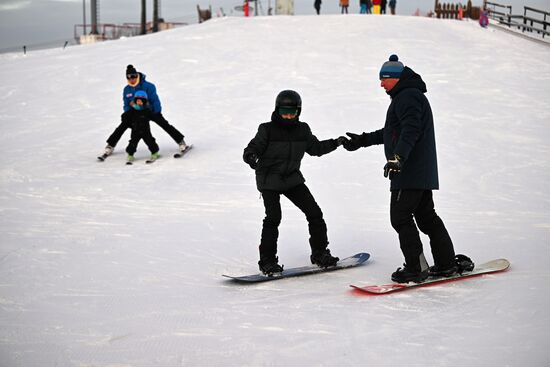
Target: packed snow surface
103,264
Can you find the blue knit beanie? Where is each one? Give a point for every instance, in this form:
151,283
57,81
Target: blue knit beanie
141,94
392,68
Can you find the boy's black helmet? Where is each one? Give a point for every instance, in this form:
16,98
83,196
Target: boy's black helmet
289,98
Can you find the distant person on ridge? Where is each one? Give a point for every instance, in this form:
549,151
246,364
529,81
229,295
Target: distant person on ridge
137,82
376,6
317,6
344,4
392,4
275,153
409,144
363,6
369,6
484,19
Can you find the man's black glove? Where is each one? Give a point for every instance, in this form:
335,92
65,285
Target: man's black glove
341,140
354,143
393,166
251,159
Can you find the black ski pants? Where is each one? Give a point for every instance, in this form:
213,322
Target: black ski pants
141,131
410,205
303,199
159,119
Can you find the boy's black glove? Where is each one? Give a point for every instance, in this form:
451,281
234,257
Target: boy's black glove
354,143
341,140
393,166
251,159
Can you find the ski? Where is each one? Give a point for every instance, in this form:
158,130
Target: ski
490,267
348,262
181,154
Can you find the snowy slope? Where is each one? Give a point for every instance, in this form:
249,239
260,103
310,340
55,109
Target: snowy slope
107,265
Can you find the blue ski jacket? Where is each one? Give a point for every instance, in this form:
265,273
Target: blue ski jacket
147,87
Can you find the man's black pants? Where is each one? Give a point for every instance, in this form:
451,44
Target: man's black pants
418,204
162,122
302,198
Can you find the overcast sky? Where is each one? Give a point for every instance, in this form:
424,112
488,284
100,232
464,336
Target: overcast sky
30,22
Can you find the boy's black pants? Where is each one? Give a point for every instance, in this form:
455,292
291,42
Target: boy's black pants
159,119
302,198
418,204
141,132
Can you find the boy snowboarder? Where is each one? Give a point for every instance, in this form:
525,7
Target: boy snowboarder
275,153
138,118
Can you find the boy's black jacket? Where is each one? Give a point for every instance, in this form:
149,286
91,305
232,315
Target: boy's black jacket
139,119
281,145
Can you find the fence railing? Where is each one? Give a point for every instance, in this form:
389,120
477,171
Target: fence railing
499,12
115,31
526,22
107,31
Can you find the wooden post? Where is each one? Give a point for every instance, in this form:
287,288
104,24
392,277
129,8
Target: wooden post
155,15
143,16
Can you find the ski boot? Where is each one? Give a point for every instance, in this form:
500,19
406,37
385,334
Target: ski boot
154,157
130,159
108,150
323,258
183,146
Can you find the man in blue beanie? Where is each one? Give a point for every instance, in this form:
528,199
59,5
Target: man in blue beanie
409,144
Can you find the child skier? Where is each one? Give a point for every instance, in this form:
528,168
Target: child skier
275,153
138,118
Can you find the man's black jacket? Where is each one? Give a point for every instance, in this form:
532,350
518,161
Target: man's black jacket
409,133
